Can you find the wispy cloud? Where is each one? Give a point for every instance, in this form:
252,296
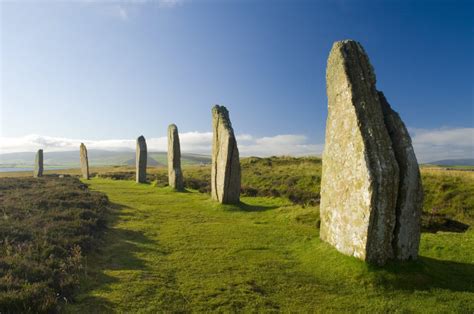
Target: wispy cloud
129,9
169,3
193,142
443,143
121,12
430,145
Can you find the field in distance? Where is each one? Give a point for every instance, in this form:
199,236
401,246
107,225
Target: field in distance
97,158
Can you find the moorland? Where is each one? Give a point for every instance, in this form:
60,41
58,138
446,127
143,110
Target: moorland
111,245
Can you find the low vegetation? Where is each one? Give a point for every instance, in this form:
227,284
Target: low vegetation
297,179
181,252
47,226
449,194
178,252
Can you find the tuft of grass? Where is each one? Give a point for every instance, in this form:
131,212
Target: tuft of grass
180,252
47,226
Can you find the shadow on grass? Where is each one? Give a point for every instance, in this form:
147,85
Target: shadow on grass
432,223
424,274
176,190
241,206
119,249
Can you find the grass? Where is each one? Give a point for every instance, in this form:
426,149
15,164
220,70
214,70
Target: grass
449,194
297,179
46,227
181,252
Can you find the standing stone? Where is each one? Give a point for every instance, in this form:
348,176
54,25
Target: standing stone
225,173
84,161
360,173
410,191
38,172
175,175
141,156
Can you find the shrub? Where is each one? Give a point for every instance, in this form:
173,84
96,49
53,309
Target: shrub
48,225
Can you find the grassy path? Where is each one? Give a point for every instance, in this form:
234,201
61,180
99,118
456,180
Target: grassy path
168,251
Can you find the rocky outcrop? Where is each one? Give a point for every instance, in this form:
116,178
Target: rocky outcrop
84,161
225,173
175,175
410,190
141,156
38,171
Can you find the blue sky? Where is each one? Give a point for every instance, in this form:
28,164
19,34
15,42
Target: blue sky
109,71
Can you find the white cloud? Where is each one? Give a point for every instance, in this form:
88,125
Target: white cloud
430,145
192,142
129,9
287,144
121,12
444,143
169,3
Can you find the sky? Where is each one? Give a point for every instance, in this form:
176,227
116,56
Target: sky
104,72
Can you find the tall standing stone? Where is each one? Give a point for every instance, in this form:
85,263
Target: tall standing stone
410,191
84,161
360,173
225,173
175,175
38,172
141,156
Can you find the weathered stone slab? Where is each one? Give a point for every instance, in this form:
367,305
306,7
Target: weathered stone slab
141,158
175,175
38,171
84,161
225,173
360,173
410,191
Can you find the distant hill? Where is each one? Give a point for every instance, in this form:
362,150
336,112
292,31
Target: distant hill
453,162
96,158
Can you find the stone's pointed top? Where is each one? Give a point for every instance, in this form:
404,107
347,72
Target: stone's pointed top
82,145
345,41
217,109
223,114
40,150
356,61
349,44
141,142
172,126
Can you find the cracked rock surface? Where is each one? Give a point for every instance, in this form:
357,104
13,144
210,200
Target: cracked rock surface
410,190
369,175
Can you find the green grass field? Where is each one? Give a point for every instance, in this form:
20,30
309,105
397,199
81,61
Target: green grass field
173,252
